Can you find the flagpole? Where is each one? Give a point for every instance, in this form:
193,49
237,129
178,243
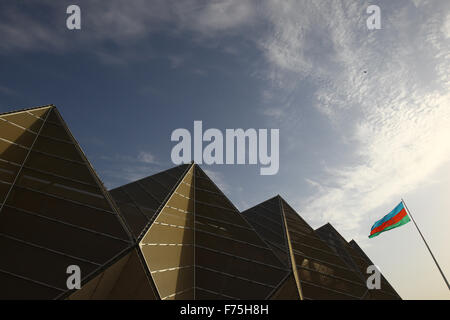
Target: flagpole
435,261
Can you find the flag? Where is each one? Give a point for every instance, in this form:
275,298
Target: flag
393,219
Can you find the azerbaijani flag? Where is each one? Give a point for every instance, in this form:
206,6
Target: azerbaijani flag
393,219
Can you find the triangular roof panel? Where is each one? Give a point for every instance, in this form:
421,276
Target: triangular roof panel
55,211
200,246
141,200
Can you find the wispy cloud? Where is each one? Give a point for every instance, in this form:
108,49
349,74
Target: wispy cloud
147,157
118,25
121,169
114,176
7,91
384,91
176,61
396,116
274,112
143,156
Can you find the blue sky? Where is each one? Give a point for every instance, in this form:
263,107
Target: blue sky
364,115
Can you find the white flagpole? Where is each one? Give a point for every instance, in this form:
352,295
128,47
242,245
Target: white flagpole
435,261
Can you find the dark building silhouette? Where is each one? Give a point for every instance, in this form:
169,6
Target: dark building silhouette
173,235
356,260
319,269
195,243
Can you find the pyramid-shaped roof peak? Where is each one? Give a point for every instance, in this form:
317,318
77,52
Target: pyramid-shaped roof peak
54,208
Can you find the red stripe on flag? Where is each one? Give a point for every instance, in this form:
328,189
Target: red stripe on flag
399,216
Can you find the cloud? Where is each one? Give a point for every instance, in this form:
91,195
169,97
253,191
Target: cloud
274,112
7,91
147,157
384,92
176,61
200,72
117,175
108,30
143,156
395,116
219,15
120,169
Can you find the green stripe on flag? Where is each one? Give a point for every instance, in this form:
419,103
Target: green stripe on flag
405,220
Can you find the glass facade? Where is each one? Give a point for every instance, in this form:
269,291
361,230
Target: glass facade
322,268
199,245
139,201
54,210
125,279
232,260
356,260
172,235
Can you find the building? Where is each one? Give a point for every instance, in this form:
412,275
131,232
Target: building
319,270
173,235
355,259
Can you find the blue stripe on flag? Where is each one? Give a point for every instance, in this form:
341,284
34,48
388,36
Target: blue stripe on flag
389,216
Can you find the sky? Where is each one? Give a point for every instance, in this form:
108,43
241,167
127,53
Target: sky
363,115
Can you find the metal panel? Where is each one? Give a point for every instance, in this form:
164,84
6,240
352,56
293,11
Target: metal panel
145,196
25,120
168,249
55,212
287,290
125,279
